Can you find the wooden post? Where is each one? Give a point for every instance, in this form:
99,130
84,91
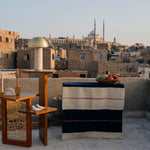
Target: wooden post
43,123
29,124
17,77
17,89
4,118
2,83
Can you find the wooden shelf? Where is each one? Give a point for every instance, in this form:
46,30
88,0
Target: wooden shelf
43,101
39,112
23,96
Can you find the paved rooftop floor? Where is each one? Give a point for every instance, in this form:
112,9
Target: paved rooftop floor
136,136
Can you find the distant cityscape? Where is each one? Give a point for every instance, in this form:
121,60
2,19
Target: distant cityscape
88,57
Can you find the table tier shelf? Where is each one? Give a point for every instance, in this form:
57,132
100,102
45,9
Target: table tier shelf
23,96
39,112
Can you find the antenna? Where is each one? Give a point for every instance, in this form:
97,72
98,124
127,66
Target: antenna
94,42
103,30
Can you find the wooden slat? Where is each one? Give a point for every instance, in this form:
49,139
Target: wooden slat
17,143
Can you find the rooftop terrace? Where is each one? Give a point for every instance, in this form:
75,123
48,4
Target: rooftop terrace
136,126
136,136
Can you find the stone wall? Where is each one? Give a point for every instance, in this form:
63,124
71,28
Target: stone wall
23,63
8,61
97,53
128,69
61,64
7,42
137,97
108,66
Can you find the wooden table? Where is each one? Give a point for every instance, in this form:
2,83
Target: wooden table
16,121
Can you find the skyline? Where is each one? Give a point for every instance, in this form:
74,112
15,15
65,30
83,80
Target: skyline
128,20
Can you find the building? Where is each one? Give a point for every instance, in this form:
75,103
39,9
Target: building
7,49
144,71
62,54
86,60
25,58
21,44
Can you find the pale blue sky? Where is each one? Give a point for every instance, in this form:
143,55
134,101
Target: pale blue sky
127,20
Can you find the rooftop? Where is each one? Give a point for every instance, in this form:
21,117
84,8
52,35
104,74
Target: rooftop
136,136
136,131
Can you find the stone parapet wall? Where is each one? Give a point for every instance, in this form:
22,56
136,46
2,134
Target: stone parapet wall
137,97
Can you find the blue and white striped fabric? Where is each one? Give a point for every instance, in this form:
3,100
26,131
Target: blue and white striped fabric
91,109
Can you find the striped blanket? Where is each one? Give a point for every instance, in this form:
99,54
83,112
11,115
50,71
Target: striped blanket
91,109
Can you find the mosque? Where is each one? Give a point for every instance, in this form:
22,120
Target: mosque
91,40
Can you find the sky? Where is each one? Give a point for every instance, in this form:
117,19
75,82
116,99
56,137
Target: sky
127,20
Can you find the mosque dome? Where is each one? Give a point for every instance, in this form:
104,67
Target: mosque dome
38,42
92,32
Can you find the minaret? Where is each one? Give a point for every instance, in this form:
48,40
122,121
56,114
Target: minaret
114,39
94,42
103,31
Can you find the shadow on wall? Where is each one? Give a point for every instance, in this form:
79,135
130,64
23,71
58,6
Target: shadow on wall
148,98
136,93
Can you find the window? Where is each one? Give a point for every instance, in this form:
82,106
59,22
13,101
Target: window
1,55
53,56
82,75
0,38
26,57
100,57
55,75
82,57
7,40
6,55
